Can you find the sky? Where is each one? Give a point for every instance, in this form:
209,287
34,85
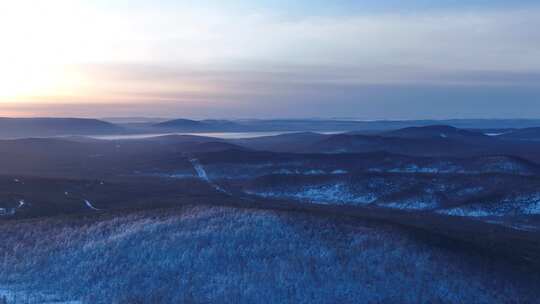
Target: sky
384,59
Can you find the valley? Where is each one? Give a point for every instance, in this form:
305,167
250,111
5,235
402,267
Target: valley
92,202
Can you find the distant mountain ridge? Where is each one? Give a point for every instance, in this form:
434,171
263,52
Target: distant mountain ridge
305,125
181,123
209,125
39,127
452,129
436,131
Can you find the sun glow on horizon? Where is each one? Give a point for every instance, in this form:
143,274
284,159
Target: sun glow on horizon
42,43
29,58
19,80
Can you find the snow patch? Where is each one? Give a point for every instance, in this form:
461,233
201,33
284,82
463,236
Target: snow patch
180,175
323,194
468,212
532,208
413,168
469,191
201,173
89,205
16,295
411,205
314,172
7,211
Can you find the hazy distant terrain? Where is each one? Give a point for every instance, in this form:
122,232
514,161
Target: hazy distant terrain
420,214
47,127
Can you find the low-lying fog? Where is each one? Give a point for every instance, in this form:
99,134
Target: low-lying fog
222,135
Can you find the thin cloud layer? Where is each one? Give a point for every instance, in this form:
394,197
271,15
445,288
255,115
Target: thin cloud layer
190,58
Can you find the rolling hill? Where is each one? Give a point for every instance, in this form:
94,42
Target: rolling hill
532,134
436,131
41,127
